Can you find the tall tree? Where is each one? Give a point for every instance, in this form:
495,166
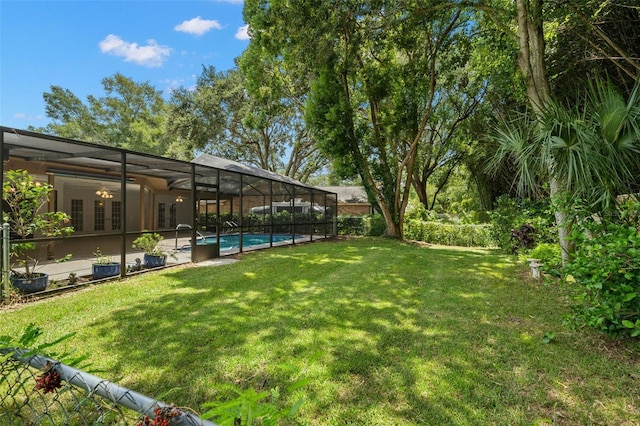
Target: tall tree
589,151
587,38
504,94
221,117
595,38
131,115
532,17
370,97
459,91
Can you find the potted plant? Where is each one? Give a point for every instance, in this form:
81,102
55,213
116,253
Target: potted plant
24,201
104,266
154,255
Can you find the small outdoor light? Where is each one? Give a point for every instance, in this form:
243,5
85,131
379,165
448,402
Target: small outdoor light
179,199
104,193
535,265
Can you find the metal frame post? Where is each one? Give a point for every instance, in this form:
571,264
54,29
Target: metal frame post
270,213
241,224
5,260
195,211
123,215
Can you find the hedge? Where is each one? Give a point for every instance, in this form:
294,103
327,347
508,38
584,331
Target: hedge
418,230
449,234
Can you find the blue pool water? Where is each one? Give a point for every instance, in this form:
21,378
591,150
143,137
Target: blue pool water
231,241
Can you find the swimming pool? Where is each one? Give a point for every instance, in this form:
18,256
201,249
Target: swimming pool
232,241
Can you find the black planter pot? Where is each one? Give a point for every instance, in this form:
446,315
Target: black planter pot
37,282
105,270
151,261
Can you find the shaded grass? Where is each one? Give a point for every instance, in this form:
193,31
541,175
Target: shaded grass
387,332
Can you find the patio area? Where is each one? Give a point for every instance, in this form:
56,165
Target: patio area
82,265
112,196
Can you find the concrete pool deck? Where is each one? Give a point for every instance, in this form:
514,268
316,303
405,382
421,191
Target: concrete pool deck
83,266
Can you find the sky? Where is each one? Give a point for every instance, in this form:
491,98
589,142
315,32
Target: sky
75,44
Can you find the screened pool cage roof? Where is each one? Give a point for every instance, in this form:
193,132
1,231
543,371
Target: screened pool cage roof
90,160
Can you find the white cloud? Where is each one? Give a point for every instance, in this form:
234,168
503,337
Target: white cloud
243,33
150,55
23,116
198,26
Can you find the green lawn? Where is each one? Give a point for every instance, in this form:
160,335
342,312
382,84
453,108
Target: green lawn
388,334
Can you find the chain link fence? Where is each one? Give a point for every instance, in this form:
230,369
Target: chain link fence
37,390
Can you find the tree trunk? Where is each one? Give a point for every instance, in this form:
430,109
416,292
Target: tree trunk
562,222
531,50
393,229
421,191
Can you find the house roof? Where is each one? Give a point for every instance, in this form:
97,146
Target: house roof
349,194
61,152
234,166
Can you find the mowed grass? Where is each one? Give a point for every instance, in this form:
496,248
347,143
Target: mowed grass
388,333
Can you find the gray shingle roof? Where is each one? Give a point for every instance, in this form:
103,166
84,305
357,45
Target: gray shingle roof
348,194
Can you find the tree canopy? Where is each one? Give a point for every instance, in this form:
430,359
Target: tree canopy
221,117
396,94
374,69
131,115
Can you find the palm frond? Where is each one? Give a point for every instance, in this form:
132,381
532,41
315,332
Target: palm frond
590,149
516,144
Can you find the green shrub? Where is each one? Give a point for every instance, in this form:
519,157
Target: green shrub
419,230
414,229
511,214
371,225
374,225
448,233
607,267
416,210
249,407
551,257
351,225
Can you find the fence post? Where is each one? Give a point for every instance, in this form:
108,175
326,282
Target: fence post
5,260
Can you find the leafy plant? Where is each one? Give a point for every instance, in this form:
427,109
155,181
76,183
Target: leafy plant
416,210
449,233
512,213
550,256
607,267
250,407
548,337
522,238
374,225
29,338
25,198
149,243
350,225
101,258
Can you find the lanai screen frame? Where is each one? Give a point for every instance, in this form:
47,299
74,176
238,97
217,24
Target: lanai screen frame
202,180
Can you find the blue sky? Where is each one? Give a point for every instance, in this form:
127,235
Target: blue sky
75,44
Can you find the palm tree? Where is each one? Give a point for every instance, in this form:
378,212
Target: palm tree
586,152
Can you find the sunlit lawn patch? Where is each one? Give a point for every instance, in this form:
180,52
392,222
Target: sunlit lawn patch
387,332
